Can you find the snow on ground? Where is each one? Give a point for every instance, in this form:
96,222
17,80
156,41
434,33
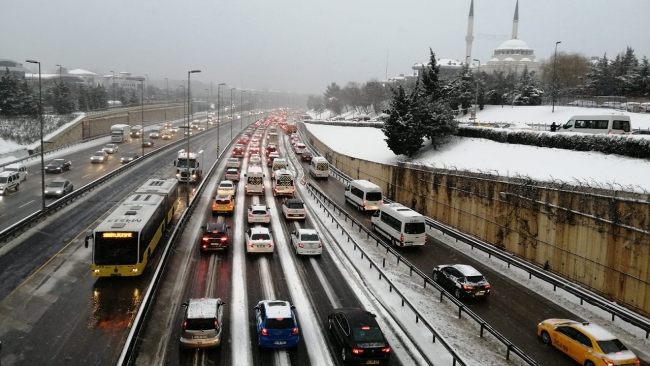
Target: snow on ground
476,154
543,115
7,146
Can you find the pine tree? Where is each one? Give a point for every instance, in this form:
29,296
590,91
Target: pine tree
402,137
528,89
133,98
28,101
9,91
643,82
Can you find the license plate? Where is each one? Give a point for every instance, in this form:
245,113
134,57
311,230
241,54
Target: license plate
279,343
372,362
480,293
115,275
199,337
408,243
261,246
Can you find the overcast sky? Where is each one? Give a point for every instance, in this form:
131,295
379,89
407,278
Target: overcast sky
301,45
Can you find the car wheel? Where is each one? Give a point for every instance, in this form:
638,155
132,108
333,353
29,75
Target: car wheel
457,293
435,277
17,186
373,227
546,338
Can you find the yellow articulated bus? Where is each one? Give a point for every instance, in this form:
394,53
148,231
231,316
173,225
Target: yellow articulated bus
124,242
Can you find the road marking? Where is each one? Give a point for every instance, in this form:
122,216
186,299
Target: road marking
85,176
26,204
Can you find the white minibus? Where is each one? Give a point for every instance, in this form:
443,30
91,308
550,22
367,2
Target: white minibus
403,226
254,180
319,167
613,124
366,196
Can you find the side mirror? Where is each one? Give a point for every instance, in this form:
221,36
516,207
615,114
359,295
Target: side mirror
257,307
245,175
184,304
222,303
203,227
174,162
88,239
270,231
227,227
293,307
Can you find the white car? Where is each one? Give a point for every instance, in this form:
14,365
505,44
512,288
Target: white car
517,126
233,163
232,174
110,148
306,242
259,240
98,157
255,160
255,143
259,214
226,187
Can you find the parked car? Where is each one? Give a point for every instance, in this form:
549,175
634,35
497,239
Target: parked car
517,127
588,344
99,157
306,242
259,214
216,236
276,324
58,188
462,280
357,332
128,157
58,166
202,324
641,132
111,148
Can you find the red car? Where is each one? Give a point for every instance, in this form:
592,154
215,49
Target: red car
253,150
242,140
238,152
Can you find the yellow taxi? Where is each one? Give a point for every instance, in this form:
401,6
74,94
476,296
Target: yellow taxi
223,203
588,344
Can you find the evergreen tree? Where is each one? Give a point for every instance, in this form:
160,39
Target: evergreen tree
62,101
9,90
402,137
28,101
529,92
461,90
333,99
133,98
643,82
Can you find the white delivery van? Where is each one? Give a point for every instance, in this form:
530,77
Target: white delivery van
283,183
319,167
403,226
254,180
272,138
613,124
19,168
9,180
364,195
278,164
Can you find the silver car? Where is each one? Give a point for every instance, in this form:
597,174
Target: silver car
233,163
99,157
58,188
110,148
202,323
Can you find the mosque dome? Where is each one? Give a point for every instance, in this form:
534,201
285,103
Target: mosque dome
514,44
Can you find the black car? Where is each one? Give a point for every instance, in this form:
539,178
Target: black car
147,143
357,332
462,280
306,156
128,157
216,236
641,132
58,166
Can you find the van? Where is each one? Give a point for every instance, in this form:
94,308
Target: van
403,226
319,167
612,124
254,180
19,168
283,183
9,180
365,195
278,164
272,138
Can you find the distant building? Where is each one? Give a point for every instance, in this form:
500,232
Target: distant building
123,80
14,67
448,67
89,77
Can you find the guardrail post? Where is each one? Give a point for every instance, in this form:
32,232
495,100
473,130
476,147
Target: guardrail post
460,312
362,254
398,258
613,315
411,271
508,352
417,318
384,262
434,337
441,294
425,283
481,333
402,301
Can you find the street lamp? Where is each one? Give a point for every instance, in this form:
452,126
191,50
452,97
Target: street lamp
60,78
231,108
476,96
218,120
554,78
40,112
189,109
113,87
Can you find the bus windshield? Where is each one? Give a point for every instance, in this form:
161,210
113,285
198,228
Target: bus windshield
373,196
182,163
115,251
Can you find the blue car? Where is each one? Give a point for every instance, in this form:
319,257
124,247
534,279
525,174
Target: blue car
276,324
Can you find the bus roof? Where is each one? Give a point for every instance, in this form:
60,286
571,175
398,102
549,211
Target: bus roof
255,169
158,186
399,210
132,215
283,172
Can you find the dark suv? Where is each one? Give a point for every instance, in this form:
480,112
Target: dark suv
358,334
462,280
216,236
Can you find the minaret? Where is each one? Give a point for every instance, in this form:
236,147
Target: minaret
515,22
470,34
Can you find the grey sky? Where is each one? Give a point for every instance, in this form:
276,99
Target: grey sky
301,45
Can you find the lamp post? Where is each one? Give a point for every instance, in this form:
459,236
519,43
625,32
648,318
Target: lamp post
231,108
476,96
60,78
40,112
167,80
189,109
554,79
219,120
113,87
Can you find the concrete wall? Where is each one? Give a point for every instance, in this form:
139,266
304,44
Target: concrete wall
100,124
598,239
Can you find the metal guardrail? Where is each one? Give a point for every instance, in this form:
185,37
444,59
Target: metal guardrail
484,326
557,281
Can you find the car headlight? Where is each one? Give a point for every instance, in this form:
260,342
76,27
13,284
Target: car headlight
59,192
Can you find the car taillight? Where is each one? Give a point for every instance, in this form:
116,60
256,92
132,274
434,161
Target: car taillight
381,202
426,237
216,324
206,238
320,245
267,215
271,244
385,350
294,331
250,215
357,351
363,203
468,287
264,332
301,245
246,186
401,238
224,238
205,246
185,325
487,285
251,245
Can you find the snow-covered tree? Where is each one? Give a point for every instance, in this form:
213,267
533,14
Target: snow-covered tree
333,99
461,90
9,103
529,92
402,135
375,94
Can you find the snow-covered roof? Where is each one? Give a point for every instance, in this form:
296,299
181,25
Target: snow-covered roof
525,59
81,72
514,44
508,59
494,59
449,62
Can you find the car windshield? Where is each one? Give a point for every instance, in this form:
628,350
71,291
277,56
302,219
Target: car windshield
55,184
414,228
98,154
260,237
259,212
225,185
309,237
367,334
3,179
296,205
56,162
612,346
